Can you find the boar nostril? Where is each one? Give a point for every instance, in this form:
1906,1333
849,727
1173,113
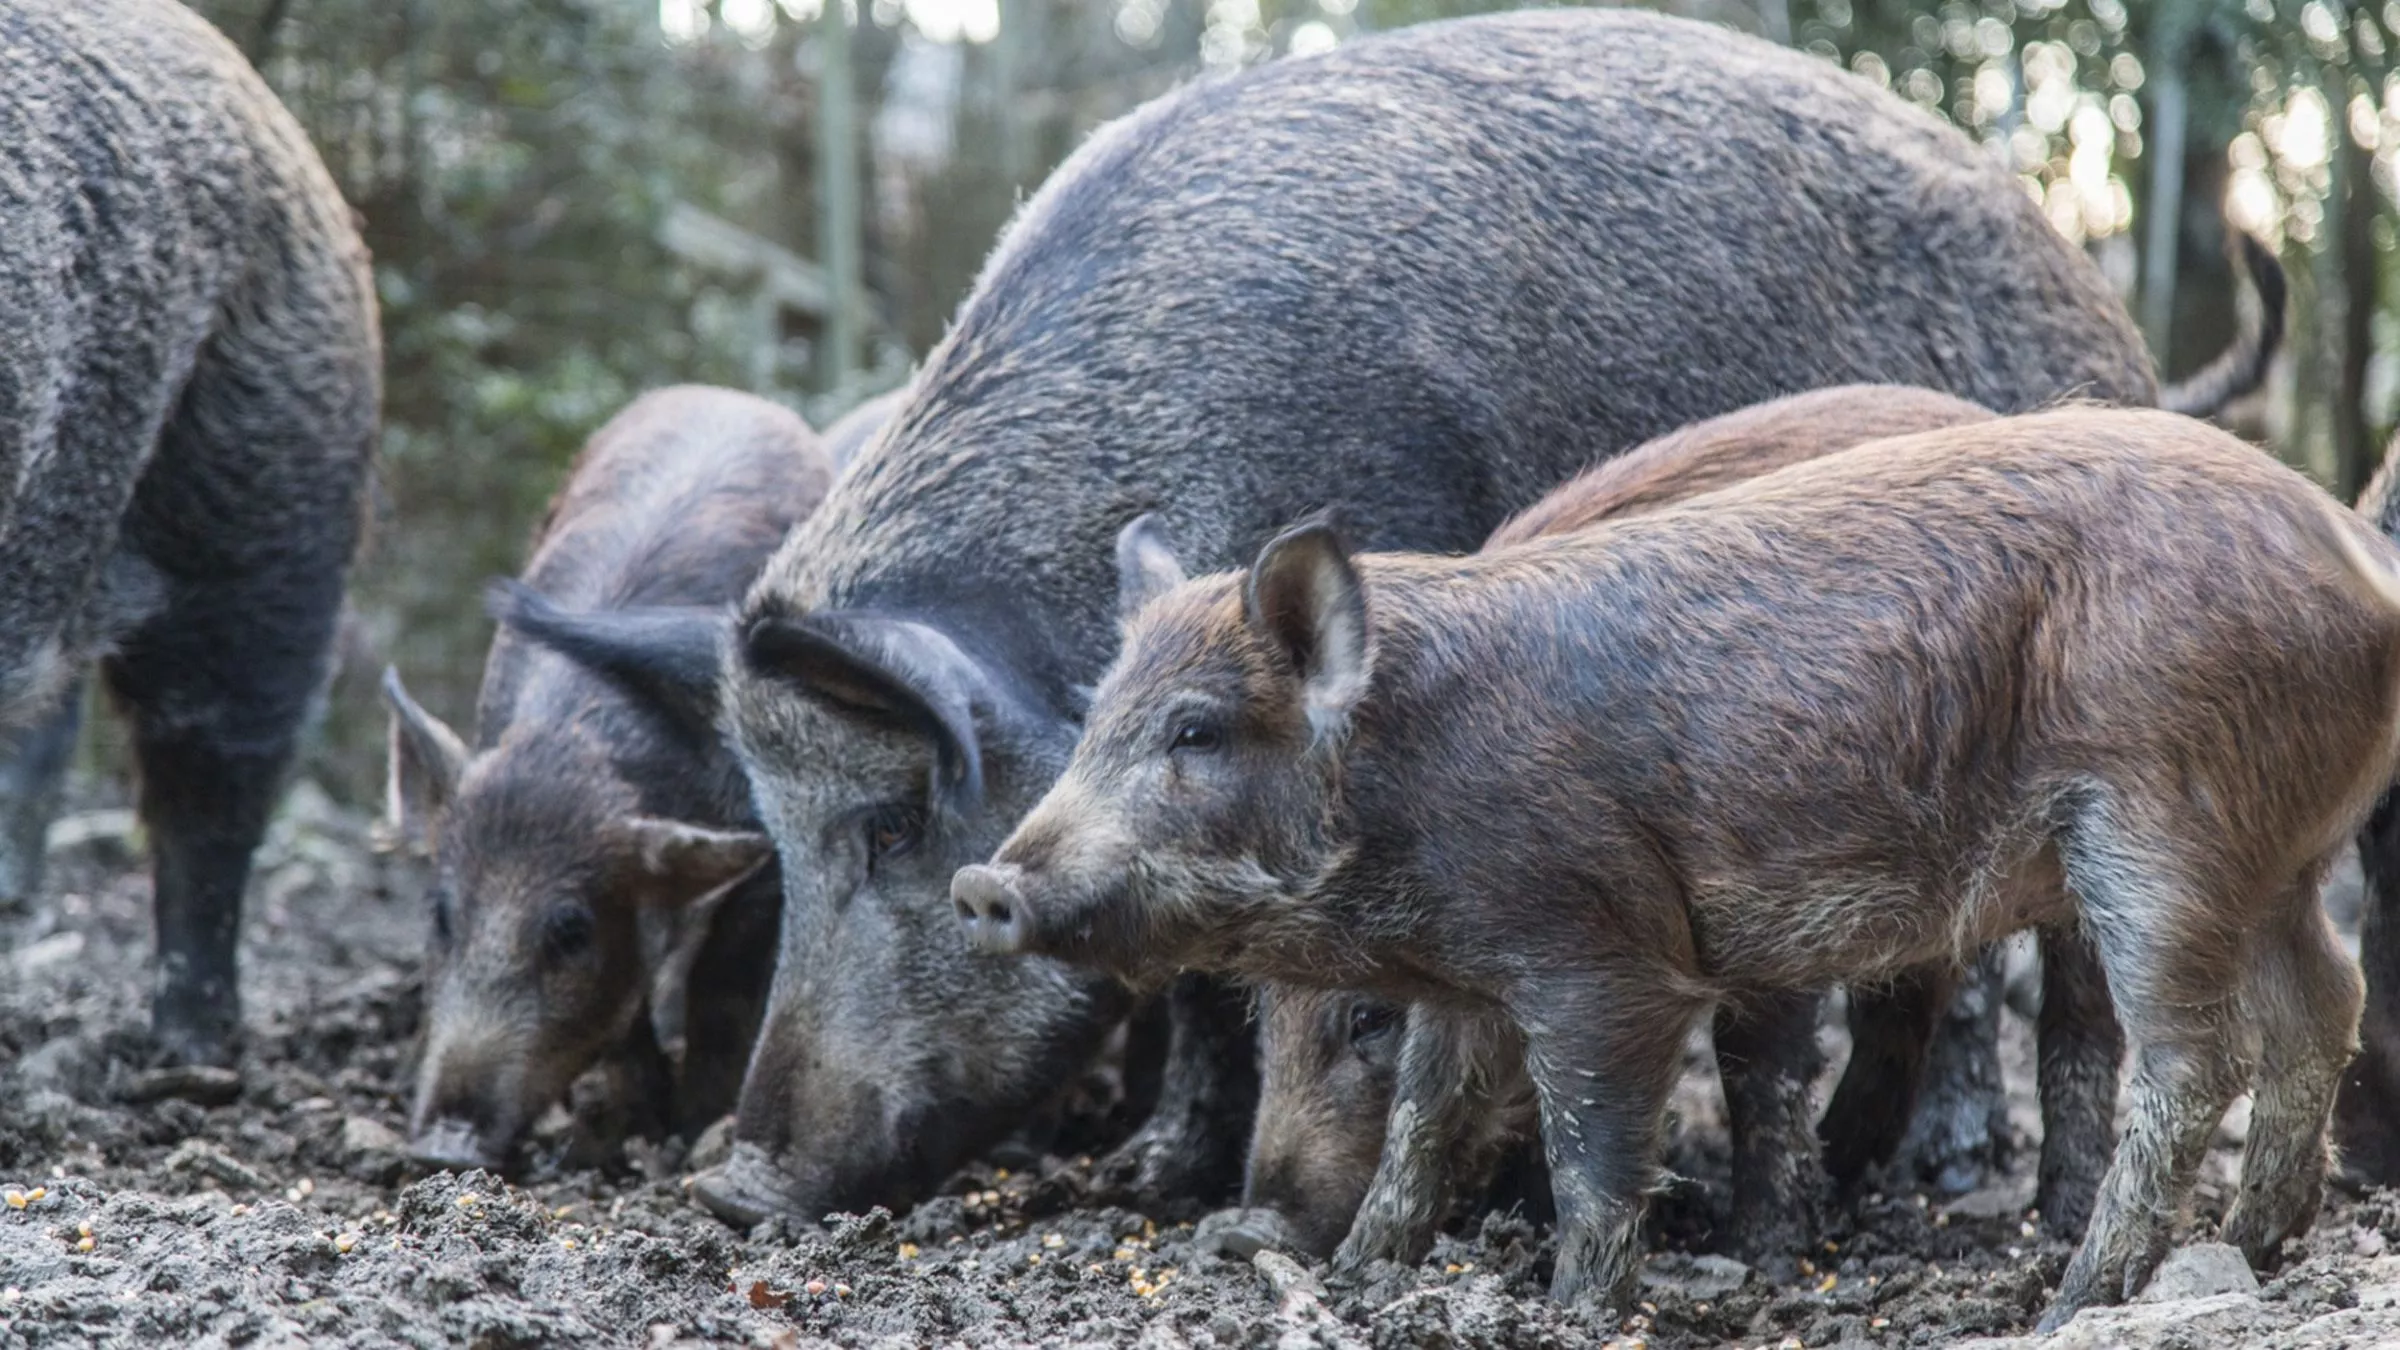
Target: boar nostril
986,903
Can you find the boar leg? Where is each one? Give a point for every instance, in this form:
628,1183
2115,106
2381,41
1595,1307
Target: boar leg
1767,1058
1603,1052
2081,1051
1193,1144
1891,1034
2368,1115
33,773
217,686
1957,1131
1435,1092
2304,996
2179,1002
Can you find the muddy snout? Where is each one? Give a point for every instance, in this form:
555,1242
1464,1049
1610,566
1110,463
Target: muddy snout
990,900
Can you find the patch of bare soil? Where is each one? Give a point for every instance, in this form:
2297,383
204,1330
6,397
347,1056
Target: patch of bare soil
143,1211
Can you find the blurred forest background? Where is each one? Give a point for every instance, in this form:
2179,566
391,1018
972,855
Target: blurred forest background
572,200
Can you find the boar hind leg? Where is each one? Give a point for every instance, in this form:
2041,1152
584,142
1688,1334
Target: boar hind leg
217,687
1958,1131
1891,1033
1767,1058
2081,1051
2303,995
1192,1145
1603,1054
1434,1093
2192,1051
32,776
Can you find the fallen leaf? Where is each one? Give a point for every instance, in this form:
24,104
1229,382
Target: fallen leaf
763,1297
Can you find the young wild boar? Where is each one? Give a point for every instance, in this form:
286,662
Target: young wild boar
596,856
188,391
1329,1058
2109,670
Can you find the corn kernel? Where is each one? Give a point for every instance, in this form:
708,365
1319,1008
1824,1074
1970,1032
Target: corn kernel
841,1291
568,1244
468,1200
908,1251
1122,1254
34,1196
1825,1286
16,1199
814,1287
1053,1241
84,1229
83,1244
345,1243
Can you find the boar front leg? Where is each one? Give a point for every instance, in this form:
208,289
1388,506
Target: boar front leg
1767,1059
1433,1095
2081,1051
1603,1050
1191,1146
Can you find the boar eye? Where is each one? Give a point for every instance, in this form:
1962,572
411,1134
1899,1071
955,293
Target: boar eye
1370,1020
893,832
1197,737
566,932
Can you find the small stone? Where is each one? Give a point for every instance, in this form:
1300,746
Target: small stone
2198,1271
203,1159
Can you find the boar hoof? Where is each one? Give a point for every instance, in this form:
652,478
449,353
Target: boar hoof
747,1189
452,1145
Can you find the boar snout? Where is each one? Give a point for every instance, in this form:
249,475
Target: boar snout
991,904
453,1144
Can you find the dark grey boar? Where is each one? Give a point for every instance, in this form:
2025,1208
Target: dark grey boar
2107,672
2367,1117
1328,1057
188,399
599,875
1425,277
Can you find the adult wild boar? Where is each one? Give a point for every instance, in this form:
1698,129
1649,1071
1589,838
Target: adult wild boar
1866,713
599,875
188,396
1329,1058
1424,277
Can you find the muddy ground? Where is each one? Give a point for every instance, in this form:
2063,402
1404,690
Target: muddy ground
285,1215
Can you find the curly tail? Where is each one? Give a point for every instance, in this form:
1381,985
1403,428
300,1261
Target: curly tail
2242,367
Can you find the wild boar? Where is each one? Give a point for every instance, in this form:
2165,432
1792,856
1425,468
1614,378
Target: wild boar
1211,312
1328,1057
2112,673
599,874
188,401
2367,1117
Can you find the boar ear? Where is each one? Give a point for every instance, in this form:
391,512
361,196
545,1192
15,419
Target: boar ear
1146,564
682,874
1306,601
662,655
423,761
681,863
897,670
